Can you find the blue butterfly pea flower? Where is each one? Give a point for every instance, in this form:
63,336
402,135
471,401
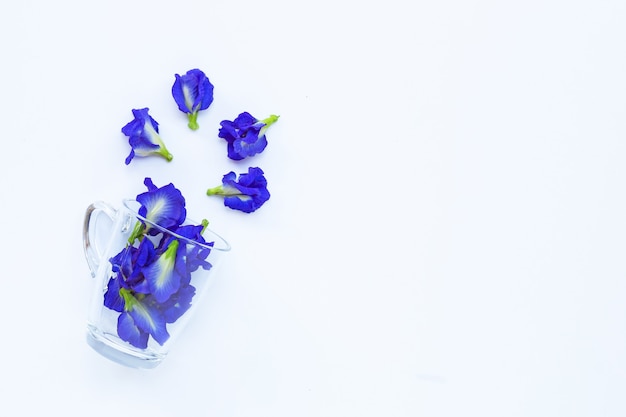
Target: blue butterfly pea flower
143,136
112,297
195,255
245,135
129,265
163,275
164,206
128,331
141,318
192,92
247,193
178,303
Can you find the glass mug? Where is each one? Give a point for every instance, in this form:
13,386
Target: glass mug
147,285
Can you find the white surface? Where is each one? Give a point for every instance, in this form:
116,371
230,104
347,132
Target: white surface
446,232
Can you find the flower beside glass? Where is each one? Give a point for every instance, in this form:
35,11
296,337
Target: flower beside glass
245,135
246,193
143,136
192,92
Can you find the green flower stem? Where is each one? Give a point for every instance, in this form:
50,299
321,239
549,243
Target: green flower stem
268,122
215,190
129,299
163,150
205,223
165,153
137,233
193,121
225,191
170,254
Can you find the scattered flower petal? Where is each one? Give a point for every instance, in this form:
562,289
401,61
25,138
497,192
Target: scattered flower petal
192,92
143,136
246,194
245,135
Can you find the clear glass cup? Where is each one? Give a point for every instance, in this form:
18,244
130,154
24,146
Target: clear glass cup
147,286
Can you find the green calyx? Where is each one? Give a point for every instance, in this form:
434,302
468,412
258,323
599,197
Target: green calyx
170,254
162,151
129,299
193,120
137,233
268,121
215,190
165,154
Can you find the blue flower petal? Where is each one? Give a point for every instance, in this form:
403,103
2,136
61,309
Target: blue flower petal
142,146
246,147
162,275
178,304
129,264
149,184
247,193
195,255
193,91
143,134
164,206
179,96
128,331
245,135
252,190
130,157
147,318
240,202
112,297
245,121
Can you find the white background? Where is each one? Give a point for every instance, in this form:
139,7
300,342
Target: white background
446,232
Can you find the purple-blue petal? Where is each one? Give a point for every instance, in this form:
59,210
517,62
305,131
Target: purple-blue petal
252,187
205,93
149,184
112,297
129,264
179,97
142,146
243,136
194,255
241,203
143,136
128,331
198,88
130,157
244,121
149,319
164,206
250,146
163,275
136,126
178,304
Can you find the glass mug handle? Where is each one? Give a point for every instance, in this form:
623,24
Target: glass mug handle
92,251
